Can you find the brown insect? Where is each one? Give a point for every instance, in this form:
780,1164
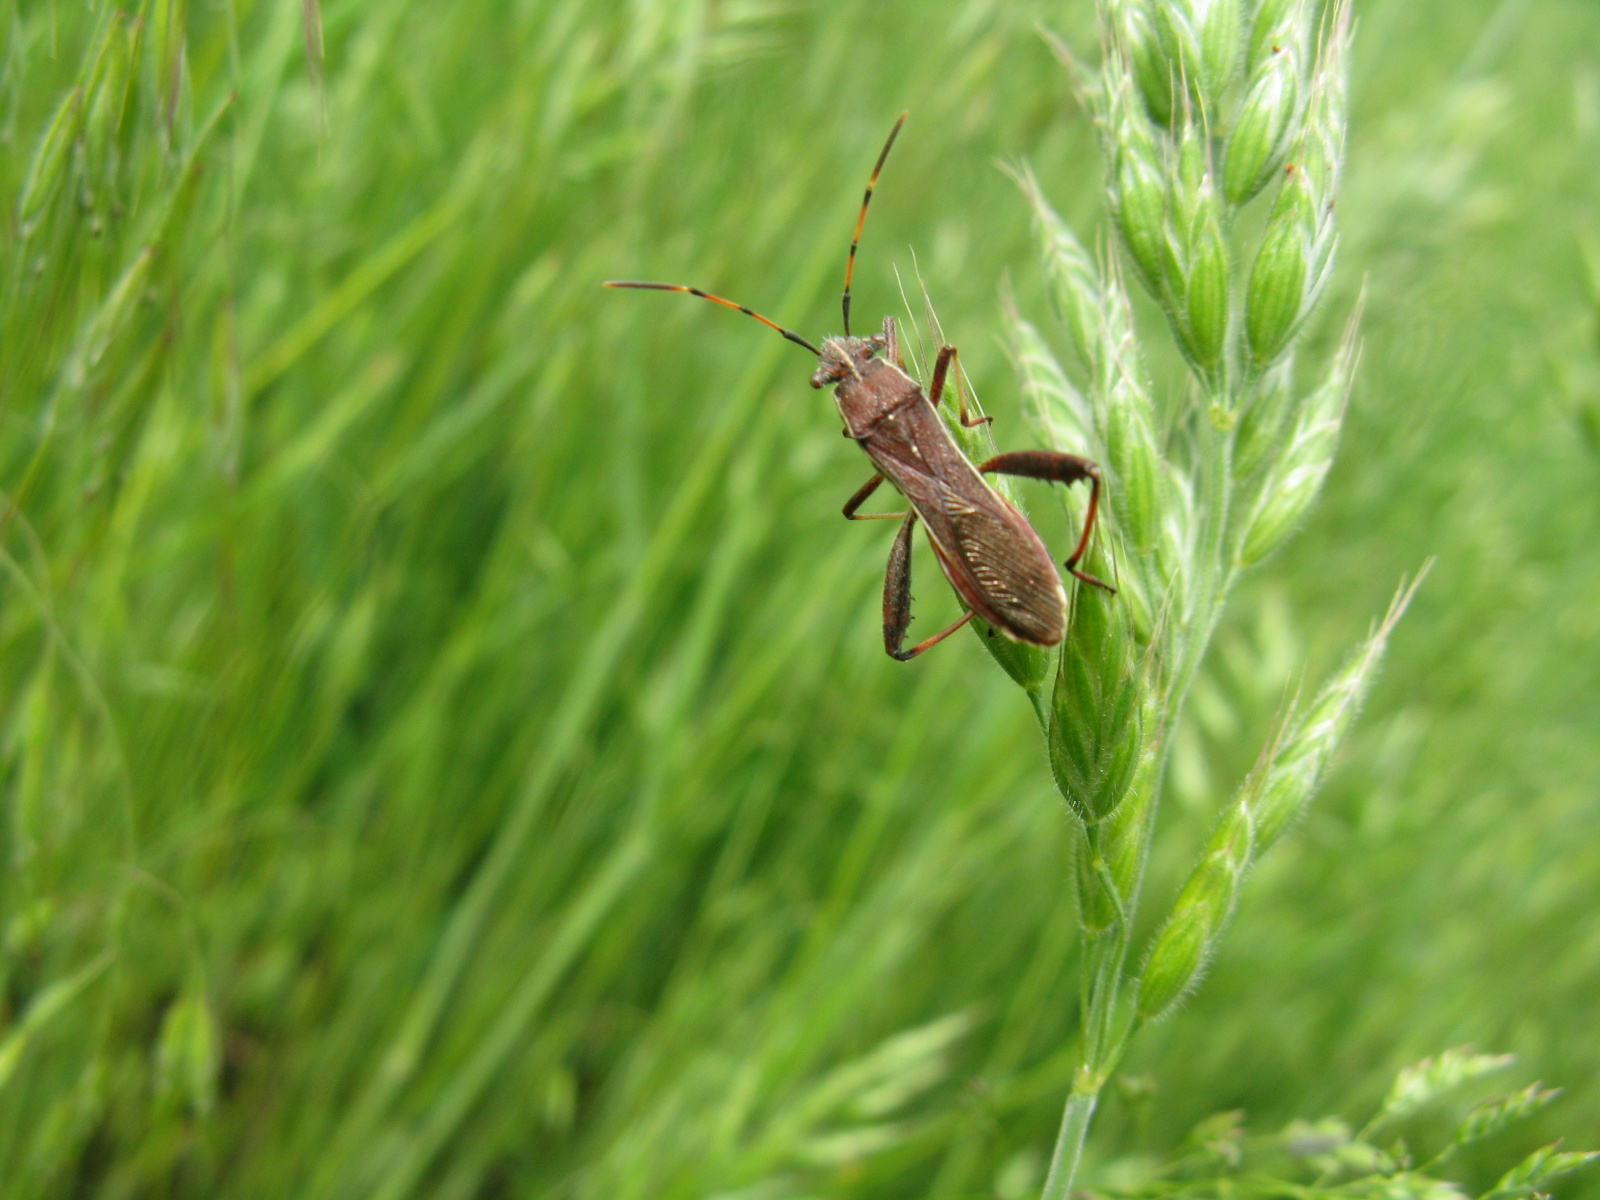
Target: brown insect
991,555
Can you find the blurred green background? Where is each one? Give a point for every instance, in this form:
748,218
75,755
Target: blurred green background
446,745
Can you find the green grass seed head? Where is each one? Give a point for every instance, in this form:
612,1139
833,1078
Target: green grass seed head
1134,459
1280,278
1295,476
1262,419
1277,292
50,160
108,101
1177,38
1110,854
1205,315
1098,911
1534,1174
1177,958
1304,749
1075,290
1221,45
1138,186
1491,1116
1296,254
1053,404
1266,127
1099,318
1096,726
1195,266
1139,201
1327,115
1133,28
1179,953
1275,25
1191,197
1194,45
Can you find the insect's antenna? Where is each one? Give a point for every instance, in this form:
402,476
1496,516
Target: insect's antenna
749,312
850,266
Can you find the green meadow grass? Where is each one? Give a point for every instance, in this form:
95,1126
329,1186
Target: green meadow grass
446,745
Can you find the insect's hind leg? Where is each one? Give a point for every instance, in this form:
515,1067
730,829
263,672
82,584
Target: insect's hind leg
1054,467
948,356
897,599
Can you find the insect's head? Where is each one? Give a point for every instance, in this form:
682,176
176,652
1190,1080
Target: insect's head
843,357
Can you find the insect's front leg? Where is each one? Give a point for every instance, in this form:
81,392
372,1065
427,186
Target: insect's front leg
897,599
950,356
1055,467
891,338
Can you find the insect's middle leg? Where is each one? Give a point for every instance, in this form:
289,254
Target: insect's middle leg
948,356
897,599
860,498
1055,467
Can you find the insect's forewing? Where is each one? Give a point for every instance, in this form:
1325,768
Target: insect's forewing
989,552
992,545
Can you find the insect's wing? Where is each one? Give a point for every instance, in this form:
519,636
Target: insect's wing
989,552
988,545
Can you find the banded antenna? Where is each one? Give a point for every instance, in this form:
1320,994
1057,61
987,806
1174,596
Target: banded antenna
749,312
850,266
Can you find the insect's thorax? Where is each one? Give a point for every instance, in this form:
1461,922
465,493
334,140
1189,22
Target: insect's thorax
879,392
